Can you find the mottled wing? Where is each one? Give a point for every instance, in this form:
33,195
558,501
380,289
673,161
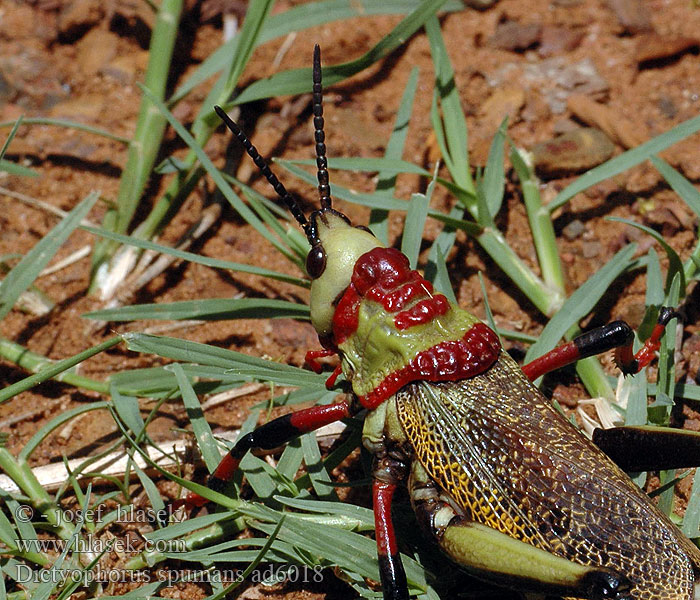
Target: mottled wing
512,462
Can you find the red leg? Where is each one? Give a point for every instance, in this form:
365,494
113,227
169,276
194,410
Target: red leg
311,360
618,335
312,357
267,437
629,363
391,569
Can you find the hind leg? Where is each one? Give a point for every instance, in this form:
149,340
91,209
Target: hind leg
498,558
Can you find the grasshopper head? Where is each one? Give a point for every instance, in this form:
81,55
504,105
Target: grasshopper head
336,246
335,243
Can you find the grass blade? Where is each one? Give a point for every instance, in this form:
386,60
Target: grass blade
150,127
204,125
298,19
206,120
215,263
216,309
200,427
364,516
69,125
541,225
581,302
666,382
320,479
14,169
298,81
386,179
389,166
691,520
10,137
626,160
386,202
236,363
415,224
127,409
675,264
691,197
655,287
684,188
251,567
494,181
442,281
318,13
27,270
56,369
452,129
239,206
255,18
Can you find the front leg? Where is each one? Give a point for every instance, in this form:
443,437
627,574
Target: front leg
500,559
268,437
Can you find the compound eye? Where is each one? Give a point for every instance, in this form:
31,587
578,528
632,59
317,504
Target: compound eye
316,262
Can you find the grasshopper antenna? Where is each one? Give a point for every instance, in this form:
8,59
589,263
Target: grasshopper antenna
324,189
261,163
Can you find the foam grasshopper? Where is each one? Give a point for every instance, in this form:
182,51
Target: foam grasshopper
506,486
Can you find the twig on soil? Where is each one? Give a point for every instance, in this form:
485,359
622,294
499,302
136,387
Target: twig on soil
53,475
148,268
245,390
284,48
41,205
22,417
144,275
230,22
67,261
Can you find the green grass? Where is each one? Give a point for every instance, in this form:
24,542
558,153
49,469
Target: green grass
296,519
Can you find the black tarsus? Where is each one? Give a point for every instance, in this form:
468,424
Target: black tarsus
666,313
324,188
393,576
261,163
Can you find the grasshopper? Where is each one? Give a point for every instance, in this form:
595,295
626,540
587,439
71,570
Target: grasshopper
507,487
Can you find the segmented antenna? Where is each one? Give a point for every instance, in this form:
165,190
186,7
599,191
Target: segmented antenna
324,189
260,162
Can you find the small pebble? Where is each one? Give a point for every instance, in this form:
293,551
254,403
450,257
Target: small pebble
480,4
505,101
77,16
557,40
97,48
667,107
632,15
573,230
662,220
590,249
515,36
572,152
653,46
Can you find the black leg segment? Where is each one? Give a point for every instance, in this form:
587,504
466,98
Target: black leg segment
617,335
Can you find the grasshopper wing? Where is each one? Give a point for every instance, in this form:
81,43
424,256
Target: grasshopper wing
512,462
